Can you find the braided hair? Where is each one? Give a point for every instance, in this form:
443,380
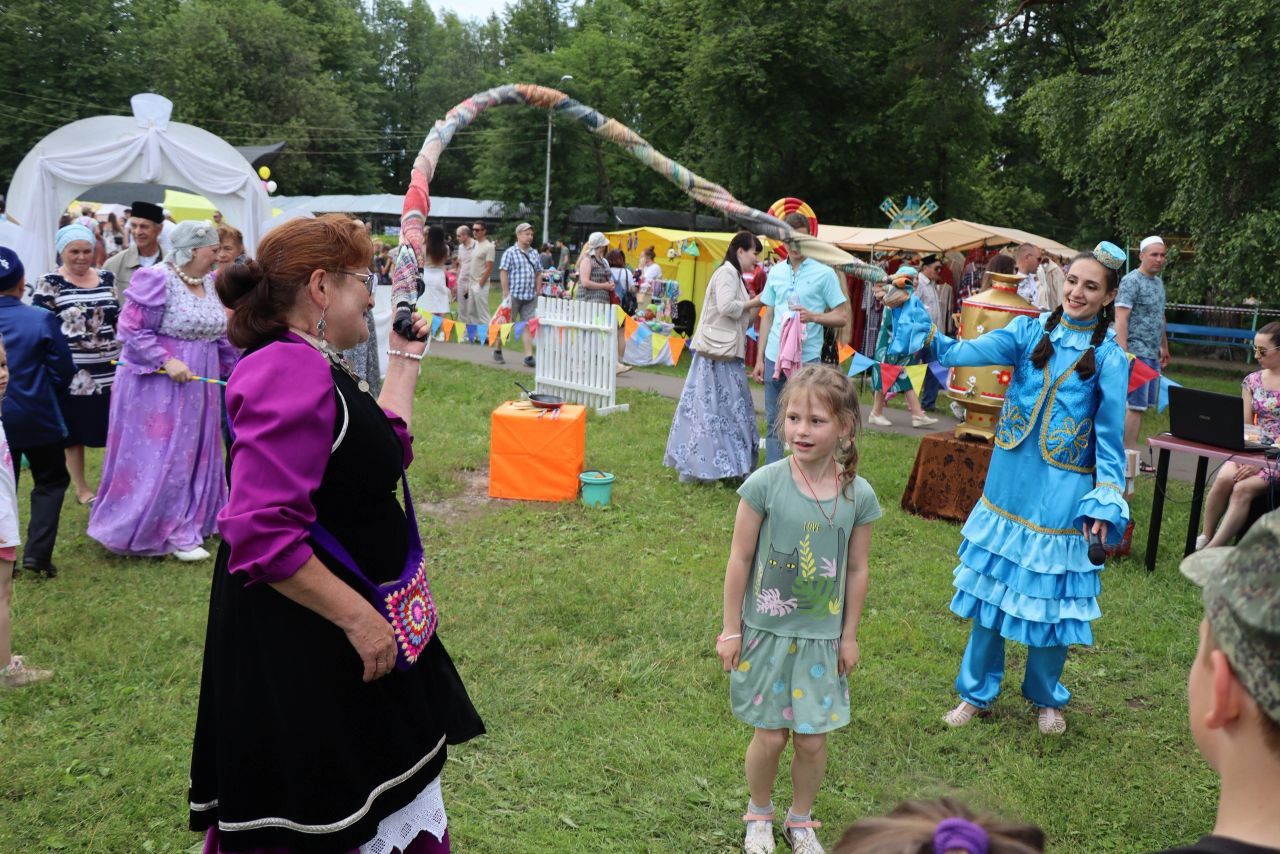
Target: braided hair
1087,364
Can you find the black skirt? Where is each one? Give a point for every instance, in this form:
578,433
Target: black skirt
292,748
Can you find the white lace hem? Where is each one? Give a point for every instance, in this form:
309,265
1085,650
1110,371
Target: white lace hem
425,812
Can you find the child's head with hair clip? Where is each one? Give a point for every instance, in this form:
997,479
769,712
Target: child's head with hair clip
945,826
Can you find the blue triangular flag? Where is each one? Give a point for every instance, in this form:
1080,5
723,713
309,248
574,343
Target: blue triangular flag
859,363
940,373
471,332
752,334
518,329
436,322
1163,401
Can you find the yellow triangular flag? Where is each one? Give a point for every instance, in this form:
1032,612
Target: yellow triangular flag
506,332
426,315
629,327
619,314
461,329
677,347
658,341
915,373
446,327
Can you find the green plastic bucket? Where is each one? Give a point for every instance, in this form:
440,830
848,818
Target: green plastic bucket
597,487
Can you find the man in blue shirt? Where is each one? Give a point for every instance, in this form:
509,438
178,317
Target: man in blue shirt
811,291
39,365
521,277
1140,330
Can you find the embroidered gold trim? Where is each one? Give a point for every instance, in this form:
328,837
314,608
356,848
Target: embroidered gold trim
1010,444
1077,327
1044,423
933,330
1108,483
1039,529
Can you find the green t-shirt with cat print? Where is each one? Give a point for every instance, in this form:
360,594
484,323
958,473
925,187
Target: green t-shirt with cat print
798,575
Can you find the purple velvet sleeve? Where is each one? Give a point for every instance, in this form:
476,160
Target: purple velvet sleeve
402,433
282,408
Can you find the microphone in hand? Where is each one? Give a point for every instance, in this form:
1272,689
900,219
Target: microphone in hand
1097,551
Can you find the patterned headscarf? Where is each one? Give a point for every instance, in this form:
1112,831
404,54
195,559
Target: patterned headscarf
190,235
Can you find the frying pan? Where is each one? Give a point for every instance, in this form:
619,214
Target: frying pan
542,401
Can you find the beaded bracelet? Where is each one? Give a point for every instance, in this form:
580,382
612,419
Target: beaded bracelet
417,357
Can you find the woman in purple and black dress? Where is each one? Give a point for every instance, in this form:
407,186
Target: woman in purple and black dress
315,730
162,474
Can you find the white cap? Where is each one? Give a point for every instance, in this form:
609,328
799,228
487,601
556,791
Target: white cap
1150,241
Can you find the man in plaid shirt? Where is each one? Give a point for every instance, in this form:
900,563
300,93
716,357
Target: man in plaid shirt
521,277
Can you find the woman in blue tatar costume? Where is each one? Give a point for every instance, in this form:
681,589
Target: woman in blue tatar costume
1057,474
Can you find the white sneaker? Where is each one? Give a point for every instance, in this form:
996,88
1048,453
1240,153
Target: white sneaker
759,839
878,420
192,554
1201,541
922,421
802,839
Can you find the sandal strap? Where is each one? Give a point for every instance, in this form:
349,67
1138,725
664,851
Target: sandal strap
810,823
751,816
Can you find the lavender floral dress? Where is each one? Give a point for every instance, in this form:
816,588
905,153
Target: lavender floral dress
162,477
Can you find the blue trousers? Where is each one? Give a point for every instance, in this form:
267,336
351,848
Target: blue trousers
982,670
929,394
772,390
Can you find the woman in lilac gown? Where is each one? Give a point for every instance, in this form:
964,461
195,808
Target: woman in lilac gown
162,477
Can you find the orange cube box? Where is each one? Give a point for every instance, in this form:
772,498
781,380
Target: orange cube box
536,454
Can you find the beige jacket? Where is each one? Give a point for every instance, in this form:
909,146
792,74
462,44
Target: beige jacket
123,265
722,323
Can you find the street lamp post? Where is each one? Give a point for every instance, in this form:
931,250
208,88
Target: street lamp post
546,189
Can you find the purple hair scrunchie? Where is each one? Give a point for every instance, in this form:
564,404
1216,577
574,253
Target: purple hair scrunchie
959,834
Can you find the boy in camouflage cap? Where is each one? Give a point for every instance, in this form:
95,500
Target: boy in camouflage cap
1234,687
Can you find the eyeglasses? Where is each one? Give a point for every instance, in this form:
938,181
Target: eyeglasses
1262,351
367,278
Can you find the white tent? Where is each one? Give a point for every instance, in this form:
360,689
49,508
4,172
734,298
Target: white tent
145,148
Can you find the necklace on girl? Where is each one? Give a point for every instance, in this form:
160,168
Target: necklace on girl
189,281
831,519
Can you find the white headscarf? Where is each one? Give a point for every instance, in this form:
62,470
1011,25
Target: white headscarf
190,235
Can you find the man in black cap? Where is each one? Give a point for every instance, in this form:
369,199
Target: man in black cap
146,223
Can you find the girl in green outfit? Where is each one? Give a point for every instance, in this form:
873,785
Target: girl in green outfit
793,594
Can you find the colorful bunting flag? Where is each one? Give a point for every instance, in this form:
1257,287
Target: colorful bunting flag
533,327
629,327
619,314
889,375
845,352
1163,400
940,373
519,329
657,341
1139,373
677,347
859,364
494,331
915,373
436,322
752,334
447,327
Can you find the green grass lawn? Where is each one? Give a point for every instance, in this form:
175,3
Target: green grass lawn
586,638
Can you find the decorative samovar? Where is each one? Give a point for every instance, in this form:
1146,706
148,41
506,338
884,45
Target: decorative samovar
981,390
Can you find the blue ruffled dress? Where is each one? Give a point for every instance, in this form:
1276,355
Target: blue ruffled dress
1024,568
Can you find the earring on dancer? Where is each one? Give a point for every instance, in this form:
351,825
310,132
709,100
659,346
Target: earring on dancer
320,324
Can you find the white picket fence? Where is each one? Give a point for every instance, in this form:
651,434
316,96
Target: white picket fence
578,353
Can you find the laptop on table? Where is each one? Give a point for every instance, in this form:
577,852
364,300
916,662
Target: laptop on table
1209,418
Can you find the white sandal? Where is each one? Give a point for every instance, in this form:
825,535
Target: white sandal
759,838
961,714
1051,721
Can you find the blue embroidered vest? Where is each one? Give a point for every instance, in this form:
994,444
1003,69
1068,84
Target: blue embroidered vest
1063,406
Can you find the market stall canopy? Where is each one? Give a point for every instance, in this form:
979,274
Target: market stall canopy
959,234
146,147
857,239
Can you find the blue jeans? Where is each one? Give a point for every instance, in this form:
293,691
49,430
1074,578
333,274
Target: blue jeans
772,390
982,670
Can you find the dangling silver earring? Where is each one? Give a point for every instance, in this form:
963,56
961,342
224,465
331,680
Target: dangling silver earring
320,324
